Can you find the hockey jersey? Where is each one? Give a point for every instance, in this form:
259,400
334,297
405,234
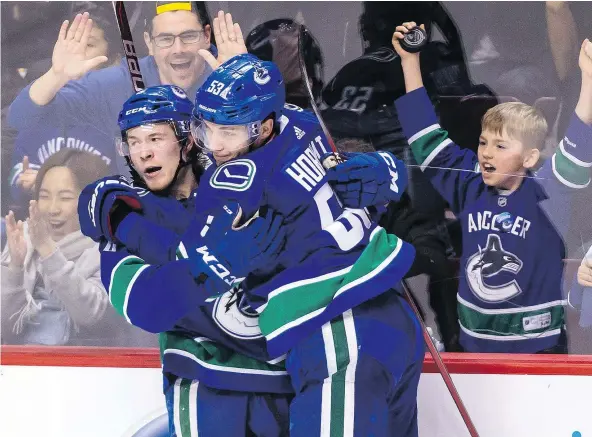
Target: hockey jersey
510,299
335,258
214,339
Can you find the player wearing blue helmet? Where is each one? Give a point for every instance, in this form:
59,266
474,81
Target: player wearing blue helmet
354,350
236,115
223,374
154,126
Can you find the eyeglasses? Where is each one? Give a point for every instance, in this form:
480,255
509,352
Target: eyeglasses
167,40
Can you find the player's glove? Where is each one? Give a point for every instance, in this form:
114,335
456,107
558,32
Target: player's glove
221,250
104,203
367,179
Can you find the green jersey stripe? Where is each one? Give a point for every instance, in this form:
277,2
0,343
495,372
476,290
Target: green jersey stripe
300,301
521,324
123,277
185,412
428,143
338,393
572,158
215,356
568,173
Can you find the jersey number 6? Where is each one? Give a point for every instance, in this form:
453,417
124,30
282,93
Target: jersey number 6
356,219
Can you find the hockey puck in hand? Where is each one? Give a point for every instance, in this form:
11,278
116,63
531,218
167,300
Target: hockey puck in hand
414,40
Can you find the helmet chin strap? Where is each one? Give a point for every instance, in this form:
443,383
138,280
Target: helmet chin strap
274,132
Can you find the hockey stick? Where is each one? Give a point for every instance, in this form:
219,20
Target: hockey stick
129,49
431,347
441,366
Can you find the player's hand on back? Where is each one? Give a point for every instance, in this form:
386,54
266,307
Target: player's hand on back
220,246
368,179
229,40
69,59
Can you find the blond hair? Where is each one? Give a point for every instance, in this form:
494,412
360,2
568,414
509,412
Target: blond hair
519,121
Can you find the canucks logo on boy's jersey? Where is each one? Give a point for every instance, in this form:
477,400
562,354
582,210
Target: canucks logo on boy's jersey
489,262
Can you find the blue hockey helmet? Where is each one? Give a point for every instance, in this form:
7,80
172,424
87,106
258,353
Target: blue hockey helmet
244,91
157,104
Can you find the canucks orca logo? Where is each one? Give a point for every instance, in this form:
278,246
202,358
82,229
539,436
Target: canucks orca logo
261,75
489,262
235,317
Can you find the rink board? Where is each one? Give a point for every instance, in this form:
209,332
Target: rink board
88,392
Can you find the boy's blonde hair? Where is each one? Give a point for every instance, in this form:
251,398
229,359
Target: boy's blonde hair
519,120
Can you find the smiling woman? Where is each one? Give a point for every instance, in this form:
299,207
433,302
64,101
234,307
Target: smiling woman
51,285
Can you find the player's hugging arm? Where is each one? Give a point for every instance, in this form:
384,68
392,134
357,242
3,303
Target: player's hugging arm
152,297
146,224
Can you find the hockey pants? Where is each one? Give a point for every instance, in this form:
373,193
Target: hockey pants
358,375
196,410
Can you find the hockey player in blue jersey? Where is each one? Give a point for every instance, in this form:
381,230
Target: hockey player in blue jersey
208,373
510,299
206,377
354,348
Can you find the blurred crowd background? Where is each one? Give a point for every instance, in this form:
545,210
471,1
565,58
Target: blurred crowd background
479,54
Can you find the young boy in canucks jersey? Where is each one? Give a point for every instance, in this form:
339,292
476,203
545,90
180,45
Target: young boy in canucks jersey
511,297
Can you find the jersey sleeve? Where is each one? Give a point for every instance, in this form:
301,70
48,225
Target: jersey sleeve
154,243
453,171
87,100
152,297
569,167
564,177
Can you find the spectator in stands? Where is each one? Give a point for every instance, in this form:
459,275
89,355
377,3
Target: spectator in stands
278,41
70,91
51,285
35,144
